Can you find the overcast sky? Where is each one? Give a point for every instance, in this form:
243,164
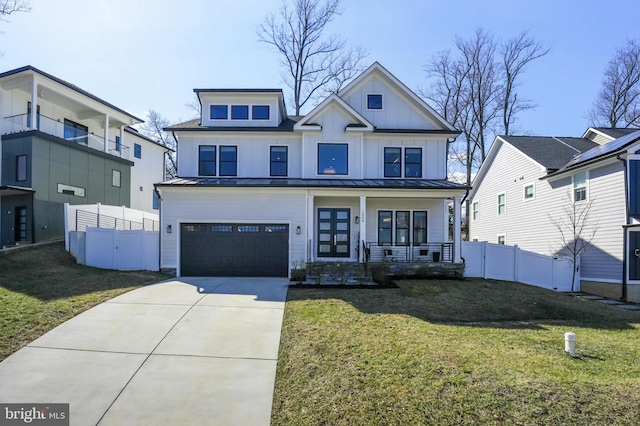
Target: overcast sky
151,54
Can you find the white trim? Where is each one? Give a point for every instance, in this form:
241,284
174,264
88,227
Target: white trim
498,214
333,99
367,102
503,235
473,211
524,192
586,186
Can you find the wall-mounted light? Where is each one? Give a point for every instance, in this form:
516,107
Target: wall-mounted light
298,230
169,229
357,220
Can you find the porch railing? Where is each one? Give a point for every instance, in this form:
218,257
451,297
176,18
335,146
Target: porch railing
424,252
20,123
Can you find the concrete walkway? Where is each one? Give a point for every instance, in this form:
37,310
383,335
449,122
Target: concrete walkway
199,351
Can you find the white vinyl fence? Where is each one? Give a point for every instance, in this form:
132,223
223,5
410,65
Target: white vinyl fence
510,263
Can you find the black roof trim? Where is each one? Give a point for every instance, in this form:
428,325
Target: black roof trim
194,126
70,86
409,184
418,131
237,90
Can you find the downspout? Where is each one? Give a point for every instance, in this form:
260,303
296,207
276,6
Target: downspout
626,222
155,189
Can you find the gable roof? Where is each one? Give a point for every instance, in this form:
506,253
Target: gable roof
550,152
400,86
610,132
333,99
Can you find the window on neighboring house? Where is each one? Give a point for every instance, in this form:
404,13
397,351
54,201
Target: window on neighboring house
419,227
228,161
260,112
207,160
374,101
21,168
218,112
137,150
392,162
29,115
76,132
502,239
385,220
118,145
580,187
333,159
413,162
156,201
239,112
475,207
402,228
115,178
501,204
278,163
475,239
528,192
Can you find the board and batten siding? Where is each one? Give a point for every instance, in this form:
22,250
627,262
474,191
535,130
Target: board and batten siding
397,111
528,223
253,152
249,99
230,205
434,153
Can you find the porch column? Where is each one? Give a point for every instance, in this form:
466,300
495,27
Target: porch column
106,133
457,236
34,105
363,226
309,243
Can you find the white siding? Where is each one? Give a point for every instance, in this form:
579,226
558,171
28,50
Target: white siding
249,99
434,153
527,223
397,111
182,205
147,170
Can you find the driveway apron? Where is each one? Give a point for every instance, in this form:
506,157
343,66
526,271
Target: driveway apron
189,351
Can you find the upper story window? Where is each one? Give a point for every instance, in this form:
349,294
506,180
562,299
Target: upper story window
502,204
374,101
239,112
393,162
156,201
21,168
260,112
76,132
333,159
529,192
207,160
118,144
580,187
137,150
228,161
218,112
475,208
278,161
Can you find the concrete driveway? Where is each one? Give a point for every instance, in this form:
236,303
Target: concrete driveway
193,351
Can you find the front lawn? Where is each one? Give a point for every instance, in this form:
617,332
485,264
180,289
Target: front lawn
455,352
43,287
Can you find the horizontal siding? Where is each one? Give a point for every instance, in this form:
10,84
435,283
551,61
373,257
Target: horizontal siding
528,223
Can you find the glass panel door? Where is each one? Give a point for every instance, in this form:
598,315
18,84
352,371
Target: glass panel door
333,232
20,229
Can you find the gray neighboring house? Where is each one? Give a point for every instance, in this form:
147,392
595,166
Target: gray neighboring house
526,180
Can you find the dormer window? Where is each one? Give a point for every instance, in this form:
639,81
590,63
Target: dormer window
218,112
374,102
239,112
260,112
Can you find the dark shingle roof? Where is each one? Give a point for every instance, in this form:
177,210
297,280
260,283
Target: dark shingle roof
194,126
315,183
551,152
615,132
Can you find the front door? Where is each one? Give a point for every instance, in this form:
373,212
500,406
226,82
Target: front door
333,232
634,255
20,227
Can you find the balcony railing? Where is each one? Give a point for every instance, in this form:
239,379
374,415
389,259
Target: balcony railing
425,252
20,123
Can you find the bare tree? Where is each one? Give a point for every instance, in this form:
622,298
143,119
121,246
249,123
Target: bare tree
153,128
576,231
618,103
313,63
195,106
7,7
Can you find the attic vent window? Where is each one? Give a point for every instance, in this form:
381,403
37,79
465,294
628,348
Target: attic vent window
374,101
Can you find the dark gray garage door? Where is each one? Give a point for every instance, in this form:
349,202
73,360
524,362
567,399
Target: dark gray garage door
234,250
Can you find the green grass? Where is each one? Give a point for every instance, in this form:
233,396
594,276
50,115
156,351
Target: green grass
455,352
42,287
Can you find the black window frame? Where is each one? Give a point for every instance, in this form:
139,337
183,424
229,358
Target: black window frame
279,161
235,110
382,226
417,230
137,150
390,164
346,155
253,112
223,163
202,162
220,108
408,163
404,229
370,101
21,169
76,132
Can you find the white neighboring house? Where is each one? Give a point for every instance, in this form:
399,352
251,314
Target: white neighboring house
61,144
363,174
525,181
